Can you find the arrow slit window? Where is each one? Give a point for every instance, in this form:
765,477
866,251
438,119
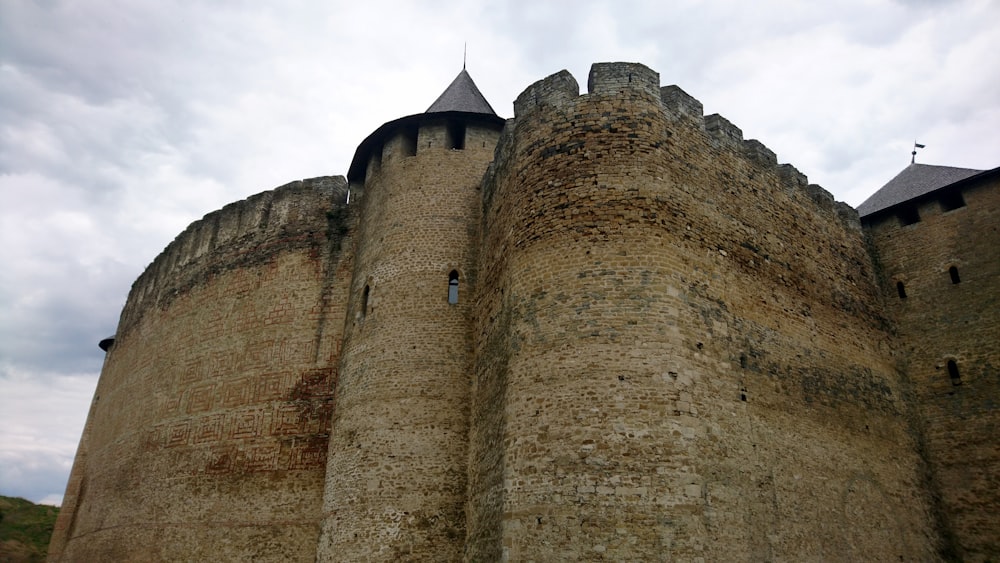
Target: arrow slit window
453,287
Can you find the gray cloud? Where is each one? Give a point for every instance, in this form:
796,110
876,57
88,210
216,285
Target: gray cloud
122,123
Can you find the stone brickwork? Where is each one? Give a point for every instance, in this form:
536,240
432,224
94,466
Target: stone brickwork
946,319
208,434
609,329
398,454
680,349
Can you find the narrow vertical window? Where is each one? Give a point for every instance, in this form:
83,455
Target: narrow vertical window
410,141
456,135
453,287
901,290
956,379
953,272
364,303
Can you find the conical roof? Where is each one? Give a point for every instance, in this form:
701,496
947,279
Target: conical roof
462,95
914,181
461,100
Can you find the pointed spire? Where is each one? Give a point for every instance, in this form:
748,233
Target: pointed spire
462,95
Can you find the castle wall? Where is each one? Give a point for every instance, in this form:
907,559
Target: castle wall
397,456
208,434
679,347
940,321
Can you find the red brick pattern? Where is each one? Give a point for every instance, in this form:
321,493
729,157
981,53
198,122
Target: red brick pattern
213,410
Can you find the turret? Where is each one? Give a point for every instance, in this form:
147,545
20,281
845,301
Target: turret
397,457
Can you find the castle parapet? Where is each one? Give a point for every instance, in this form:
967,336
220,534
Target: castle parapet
560,91
681,104
723,131
239,233
756,151
556,89
613,78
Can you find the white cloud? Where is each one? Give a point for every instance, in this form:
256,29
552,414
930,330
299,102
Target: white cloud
120,123
41,420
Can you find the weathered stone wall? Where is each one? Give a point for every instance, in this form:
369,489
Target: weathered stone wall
208,434
398,453
940,321
666,346
680,351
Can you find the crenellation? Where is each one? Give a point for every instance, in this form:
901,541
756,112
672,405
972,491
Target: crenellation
723,132
260,221
757,152
374,161
433,135
679,103
616,78
202,242
397,148
228,223
254,211
792,177
823,198
555,90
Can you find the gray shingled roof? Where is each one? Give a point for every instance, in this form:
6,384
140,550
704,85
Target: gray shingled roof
914,181
462,95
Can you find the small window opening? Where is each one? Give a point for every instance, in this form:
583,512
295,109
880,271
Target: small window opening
364,302
909,215
410,141
952,201
901,290
953,272
456,135
956,379
453,287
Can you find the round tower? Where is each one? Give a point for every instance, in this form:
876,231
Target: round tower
207,434
397,457
679,349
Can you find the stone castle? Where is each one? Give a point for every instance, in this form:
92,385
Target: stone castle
607,329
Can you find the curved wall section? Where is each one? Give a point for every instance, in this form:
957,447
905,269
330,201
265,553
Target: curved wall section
398,455
207,438
679,347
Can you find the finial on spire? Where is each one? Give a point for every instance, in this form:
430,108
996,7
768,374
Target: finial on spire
465,50
916,146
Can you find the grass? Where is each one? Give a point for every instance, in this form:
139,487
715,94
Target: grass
25,529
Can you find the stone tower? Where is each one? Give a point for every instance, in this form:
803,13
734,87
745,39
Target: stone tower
609,328
207,434
936,234
398,452
681,350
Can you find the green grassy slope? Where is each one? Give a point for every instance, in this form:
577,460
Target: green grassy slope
25,529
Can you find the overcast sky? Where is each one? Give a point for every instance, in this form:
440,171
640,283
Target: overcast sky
123,122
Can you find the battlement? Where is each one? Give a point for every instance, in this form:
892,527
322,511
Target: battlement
612,78
561,92
680,104
631,247
556,90
241,233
